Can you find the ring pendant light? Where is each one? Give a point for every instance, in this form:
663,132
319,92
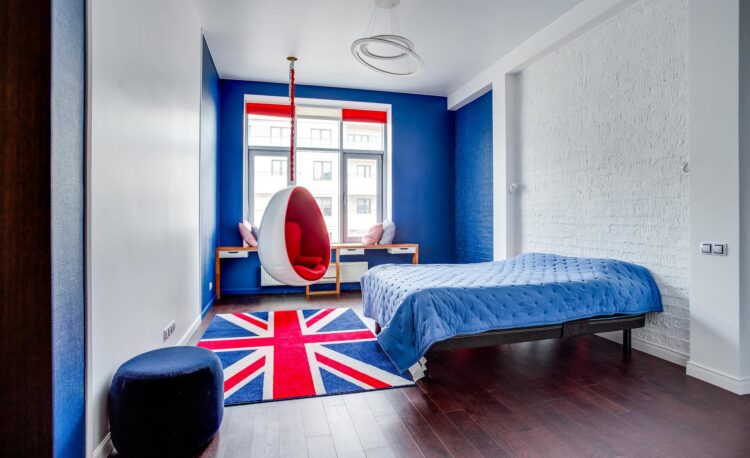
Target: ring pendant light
403,55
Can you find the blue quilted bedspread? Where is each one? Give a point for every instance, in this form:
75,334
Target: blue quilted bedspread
419,305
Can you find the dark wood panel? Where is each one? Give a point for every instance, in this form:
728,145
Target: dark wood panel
476,435
559,398
453,439
25,268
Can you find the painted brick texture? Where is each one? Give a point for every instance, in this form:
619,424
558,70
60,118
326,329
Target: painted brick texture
602,126
474,181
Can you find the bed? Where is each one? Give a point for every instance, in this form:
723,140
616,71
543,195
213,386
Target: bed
435,307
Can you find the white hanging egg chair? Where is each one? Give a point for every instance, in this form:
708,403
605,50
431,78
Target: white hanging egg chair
293,243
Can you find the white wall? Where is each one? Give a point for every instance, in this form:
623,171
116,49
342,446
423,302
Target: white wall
719,306
715,313
744,145
500,77
144,64
601,142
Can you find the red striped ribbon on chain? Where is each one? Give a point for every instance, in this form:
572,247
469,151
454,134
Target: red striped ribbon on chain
292,133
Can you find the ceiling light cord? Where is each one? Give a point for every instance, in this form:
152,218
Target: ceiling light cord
371,24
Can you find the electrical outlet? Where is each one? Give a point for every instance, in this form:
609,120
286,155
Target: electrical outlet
210,286
169,330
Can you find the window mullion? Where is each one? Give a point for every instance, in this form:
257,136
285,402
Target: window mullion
343,210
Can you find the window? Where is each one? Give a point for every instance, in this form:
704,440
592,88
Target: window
363,193
322,170
278,134
358,141
316,131
266,179
325,204
364,206
363,136
310,166
341,162
364,171
320,136
278,166
268,131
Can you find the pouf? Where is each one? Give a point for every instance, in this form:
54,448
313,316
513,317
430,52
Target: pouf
166,402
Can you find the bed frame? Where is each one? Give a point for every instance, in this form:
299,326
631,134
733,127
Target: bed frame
624,323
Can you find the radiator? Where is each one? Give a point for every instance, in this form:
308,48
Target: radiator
351,272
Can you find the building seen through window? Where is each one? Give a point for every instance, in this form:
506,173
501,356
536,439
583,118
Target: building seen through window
340,162
321,170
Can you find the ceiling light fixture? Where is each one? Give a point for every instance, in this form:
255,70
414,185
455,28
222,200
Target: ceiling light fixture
392,53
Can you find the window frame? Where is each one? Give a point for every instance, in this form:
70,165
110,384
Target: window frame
282,130
382,157
282,166
252,152
361,138
380,202
319,131
323,170
367,209
330,204
367,169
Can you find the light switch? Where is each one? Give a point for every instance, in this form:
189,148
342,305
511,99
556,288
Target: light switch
719,249
706,248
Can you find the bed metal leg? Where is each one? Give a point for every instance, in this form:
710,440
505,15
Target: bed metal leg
627,343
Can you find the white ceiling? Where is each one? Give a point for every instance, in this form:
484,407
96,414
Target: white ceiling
250,39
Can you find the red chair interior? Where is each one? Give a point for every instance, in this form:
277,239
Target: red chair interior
306,236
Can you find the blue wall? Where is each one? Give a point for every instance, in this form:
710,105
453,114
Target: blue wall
474,181
68,187
209,150
423,175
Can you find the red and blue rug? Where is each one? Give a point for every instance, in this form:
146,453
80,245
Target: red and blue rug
288,354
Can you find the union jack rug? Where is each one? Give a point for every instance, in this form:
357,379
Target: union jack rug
298,353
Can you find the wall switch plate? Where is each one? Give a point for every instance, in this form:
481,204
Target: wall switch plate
715,249
719,249
169,330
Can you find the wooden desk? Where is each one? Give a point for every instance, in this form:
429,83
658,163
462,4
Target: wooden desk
409,248
217,262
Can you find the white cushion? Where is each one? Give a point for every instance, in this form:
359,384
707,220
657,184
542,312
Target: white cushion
389,232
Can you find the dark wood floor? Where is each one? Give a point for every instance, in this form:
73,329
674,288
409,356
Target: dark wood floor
568,398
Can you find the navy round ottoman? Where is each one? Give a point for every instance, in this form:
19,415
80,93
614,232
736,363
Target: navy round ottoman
167,402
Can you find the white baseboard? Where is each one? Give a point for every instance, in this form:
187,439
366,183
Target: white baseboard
190,331
737,385
651,348
105,447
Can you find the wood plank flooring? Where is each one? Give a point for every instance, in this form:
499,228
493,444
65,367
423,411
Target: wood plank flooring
561,398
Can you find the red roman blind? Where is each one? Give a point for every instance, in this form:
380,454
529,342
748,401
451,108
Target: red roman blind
269,109
285,111
364,116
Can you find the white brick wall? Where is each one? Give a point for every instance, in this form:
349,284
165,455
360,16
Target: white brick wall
602,139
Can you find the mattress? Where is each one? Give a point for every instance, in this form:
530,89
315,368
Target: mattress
419,305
